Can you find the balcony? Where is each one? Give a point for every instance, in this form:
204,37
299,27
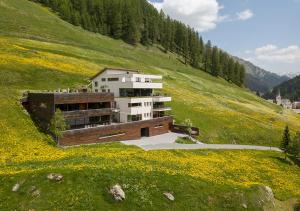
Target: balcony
161,108
86,113
158,98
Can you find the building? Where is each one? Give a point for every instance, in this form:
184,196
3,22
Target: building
285,103
296,105
80,110
134,93
121,106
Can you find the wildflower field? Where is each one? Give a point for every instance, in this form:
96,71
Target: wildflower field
38,51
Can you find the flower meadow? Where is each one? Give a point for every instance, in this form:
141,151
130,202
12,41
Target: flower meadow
24,150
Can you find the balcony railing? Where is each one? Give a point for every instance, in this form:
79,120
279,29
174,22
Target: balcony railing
86,113
161,108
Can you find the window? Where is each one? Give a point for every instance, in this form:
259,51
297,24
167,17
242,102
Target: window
133,118
96,83
96,90
145,104
103,79
147,80
103,90
138,79
113,79
134,105
108,90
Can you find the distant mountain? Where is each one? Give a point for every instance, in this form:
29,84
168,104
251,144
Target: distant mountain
258,79
289,89
292,75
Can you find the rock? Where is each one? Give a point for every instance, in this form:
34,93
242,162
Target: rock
269,195
117,192
16,187
55,177
169,196
36,193
245,206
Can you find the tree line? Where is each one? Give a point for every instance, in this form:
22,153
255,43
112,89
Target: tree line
137,21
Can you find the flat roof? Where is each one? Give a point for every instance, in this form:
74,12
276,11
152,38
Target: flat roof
108,68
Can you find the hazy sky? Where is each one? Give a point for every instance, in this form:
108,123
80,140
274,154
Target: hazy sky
265,32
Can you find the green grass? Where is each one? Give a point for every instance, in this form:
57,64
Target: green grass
38,51
184,140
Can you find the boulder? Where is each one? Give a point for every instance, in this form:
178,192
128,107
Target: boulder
16,187
34,191
169,196
55,177
117,192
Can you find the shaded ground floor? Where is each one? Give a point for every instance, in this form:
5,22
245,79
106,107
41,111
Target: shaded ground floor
117,132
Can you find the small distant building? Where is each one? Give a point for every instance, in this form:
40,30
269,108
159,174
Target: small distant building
296,105
285,103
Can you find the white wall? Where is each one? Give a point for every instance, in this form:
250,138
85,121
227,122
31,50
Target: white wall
125,81
129,80
122,103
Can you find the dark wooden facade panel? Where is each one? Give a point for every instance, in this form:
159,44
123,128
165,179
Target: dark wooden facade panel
69,98
87,113
119,132
41,107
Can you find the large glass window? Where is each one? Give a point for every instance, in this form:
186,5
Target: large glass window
133,118
135,92
134,105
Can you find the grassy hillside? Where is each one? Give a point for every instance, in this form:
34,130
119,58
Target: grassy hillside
39,51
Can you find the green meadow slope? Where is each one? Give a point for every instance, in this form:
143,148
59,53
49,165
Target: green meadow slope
39,51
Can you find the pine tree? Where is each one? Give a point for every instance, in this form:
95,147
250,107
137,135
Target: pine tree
116,22
230,69
236,73
242,75
215,61
208,55
286,139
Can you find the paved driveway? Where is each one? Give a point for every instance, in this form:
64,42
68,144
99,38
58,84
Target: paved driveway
167,141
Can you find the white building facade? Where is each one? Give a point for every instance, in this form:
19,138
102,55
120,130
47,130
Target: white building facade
134,94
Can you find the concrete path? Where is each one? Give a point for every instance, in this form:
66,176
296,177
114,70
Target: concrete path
167,141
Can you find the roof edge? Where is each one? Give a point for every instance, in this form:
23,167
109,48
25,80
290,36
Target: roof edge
111,68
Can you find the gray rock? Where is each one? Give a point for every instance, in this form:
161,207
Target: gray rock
269,195
16,187
117,192
36,193
169,196
55,177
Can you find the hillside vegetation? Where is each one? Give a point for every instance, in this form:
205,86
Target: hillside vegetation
137,21
39,51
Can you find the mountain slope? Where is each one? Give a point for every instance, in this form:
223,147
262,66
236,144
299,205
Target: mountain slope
289,89
39,51
258,79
